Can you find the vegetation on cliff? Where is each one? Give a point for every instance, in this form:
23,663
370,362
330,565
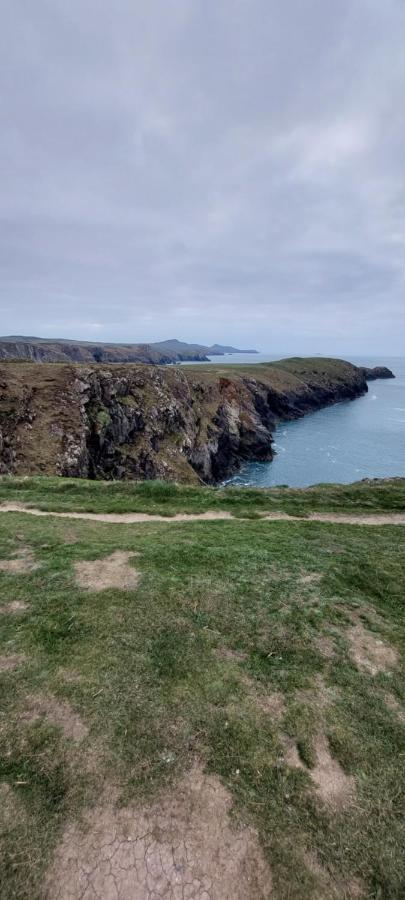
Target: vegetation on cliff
133,421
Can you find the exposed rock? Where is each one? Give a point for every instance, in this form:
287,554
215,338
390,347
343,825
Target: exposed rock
377,372
135,421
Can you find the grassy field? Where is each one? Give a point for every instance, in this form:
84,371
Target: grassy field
211,709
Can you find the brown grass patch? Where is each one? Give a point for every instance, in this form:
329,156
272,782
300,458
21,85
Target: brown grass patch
70,536
310,578
22,563
291,756
13,608
112,571
273,704
395,707
228,653
8,663
70,676
11,808
332,887
325,646
369,653
57,712
183,846
332,784
319,697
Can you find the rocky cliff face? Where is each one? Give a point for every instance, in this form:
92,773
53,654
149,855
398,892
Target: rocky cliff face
131,421
377,372
63,351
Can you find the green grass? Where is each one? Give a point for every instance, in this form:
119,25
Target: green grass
166,498
148,673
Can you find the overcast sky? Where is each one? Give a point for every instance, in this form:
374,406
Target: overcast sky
212,170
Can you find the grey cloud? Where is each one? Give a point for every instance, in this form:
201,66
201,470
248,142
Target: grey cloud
215,171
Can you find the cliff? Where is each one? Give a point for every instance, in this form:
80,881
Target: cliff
161,353
136,421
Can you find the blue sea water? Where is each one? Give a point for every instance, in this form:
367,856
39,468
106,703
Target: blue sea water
363,438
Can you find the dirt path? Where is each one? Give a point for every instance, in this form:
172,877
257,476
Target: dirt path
211,516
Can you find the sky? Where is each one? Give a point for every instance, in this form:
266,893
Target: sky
211,170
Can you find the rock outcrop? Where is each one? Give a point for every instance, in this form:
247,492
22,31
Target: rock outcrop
135,421
377,372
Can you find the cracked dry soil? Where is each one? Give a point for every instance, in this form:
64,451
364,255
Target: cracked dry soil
184,847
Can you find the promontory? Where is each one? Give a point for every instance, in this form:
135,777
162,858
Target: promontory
189,423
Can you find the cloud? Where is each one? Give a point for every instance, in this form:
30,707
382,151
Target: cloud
225,171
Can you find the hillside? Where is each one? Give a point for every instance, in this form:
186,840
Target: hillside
178,423
161,353
211,710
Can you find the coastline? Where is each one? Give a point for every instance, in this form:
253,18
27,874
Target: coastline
147,422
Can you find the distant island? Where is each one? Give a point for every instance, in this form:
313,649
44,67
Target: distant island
61,350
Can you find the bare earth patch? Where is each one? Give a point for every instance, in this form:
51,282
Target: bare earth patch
333,785
319,697
364,614
395,707
228,653
70,536
57,712
112,571
181,848
291,756
8,663
14,607
369,653
333,887
310,578
22,563
70,676
273,704
325,646
11,808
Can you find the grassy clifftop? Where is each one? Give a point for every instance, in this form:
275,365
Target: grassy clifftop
167,499
218,705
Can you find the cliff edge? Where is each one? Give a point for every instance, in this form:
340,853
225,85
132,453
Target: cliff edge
137,421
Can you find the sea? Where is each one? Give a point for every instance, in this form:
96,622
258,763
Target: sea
363,438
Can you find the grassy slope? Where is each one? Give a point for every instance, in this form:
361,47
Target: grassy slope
166,498
147,679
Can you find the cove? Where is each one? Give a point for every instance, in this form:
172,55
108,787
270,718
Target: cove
364,438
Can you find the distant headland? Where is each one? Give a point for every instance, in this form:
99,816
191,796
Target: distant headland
62,350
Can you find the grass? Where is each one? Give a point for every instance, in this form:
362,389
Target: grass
167,498
226,616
